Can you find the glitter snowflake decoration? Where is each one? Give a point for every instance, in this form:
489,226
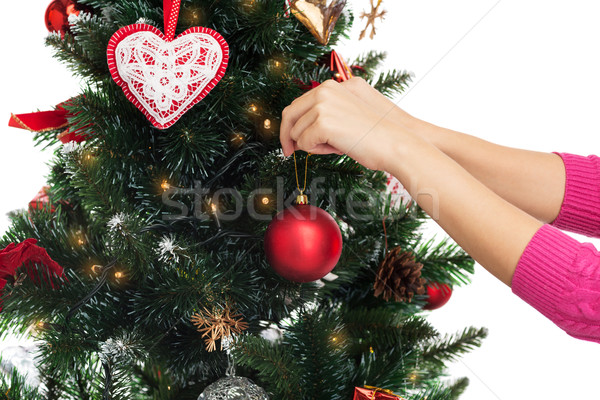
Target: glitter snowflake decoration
168,250
116,222
121,348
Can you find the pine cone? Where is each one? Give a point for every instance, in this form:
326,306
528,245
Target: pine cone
399,276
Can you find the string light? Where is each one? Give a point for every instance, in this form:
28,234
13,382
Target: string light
253,108
96,268
371,350
88,156
265,200
268,127
237,139
276,65
165,185
119,274
214,208
193,16
37,327
338,339
78,238
247,5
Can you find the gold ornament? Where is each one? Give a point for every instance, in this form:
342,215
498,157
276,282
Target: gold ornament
218,324
319,16
371,17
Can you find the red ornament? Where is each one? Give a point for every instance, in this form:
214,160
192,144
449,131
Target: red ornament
438,295
303,243
58,12
42,200
341,71
163,75
14,256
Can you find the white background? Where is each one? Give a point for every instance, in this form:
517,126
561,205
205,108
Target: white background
527,76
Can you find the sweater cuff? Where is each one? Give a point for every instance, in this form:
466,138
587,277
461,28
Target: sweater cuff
580,210
543,268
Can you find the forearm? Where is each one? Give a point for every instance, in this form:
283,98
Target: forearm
493,231
532,181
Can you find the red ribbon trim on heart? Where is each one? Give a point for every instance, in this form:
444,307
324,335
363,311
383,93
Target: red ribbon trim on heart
171,15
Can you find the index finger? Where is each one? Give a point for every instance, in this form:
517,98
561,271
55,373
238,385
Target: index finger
291,114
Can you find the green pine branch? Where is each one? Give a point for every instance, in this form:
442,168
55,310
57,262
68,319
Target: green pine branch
451,347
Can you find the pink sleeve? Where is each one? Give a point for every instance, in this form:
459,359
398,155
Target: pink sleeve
560,277
580,210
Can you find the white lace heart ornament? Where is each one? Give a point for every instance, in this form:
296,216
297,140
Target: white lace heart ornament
162,75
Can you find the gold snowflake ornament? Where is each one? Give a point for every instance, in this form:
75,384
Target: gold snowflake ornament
218,324
371,17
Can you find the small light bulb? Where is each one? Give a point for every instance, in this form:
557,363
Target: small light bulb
41,324
118,274
96,268
338,75
165,185
168,387
267,124
213,207
80,241
248,4
334,339
413,377
265,200
371,350
253,107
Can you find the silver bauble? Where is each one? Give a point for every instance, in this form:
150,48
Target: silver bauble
233,388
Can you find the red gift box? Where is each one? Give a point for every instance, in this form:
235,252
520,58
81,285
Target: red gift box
41,200
374,393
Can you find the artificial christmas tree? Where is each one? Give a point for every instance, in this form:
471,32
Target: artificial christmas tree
166,288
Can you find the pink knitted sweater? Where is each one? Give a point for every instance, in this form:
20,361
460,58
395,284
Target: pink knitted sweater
556,274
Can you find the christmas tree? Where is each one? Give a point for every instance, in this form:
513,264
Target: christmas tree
155,284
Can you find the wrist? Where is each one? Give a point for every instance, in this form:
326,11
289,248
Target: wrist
403,147
423,129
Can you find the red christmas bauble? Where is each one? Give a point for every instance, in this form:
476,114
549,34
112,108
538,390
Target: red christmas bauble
58,12
439,294
303,243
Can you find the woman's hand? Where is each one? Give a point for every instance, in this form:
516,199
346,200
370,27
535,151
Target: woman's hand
335,118
350,118
384,106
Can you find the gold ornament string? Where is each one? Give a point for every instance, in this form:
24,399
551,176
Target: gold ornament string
305,173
